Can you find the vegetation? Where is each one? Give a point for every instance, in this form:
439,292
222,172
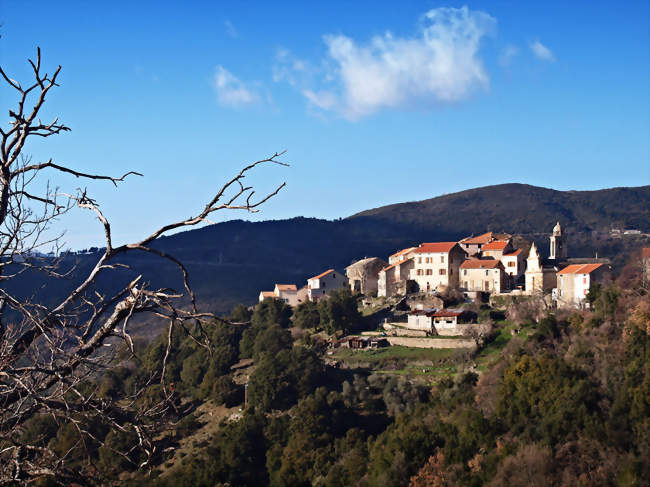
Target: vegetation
559,401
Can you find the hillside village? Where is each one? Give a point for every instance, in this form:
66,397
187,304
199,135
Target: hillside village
476,269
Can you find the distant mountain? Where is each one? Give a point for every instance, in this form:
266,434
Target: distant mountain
521,208
231,262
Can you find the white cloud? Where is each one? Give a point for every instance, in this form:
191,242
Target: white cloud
230,29
541,51
508,53
231,91
439,65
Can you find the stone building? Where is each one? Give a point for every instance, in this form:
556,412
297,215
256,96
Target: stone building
486,275
558,246
474,245
575,281
436,265
394,279
540,278
363,275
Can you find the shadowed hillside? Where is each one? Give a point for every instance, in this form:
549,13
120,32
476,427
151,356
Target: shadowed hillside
231,262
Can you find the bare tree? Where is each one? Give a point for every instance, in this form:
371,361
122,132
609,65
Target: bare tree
48,352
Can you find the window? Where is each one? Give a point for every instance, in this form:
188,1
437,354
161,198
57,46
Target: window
419,260
442,272
419,272
511,263
487,273
324,283
465,272
442,259
429,272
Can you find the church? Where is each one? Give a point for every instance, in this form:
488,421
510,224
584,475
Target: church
567,279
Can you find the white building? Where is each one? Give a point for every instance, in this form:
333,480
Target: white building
318,286
574,282
436,265
485,275
289,293
401,255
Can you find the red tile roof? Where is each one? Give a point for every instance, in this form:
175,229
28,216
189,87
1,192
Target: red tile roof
447,313
495,245
645,253
513,254
268,294
286,287
403,251
435,247
485,238
443,313
322,274
580,269
480,264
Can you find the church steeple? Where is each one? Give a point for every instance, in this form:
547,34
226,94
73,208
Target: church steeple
533,262
558,244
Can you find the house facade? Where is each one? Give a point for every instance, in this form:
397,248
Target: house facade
393,278
485,275
401,255
363,275
318,286
474,245
574,282
436,265
440,322
289,293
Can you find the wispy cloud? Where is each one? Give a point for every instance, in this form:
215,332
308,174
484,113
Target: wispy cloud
507,54
230,29
541,51
289,68
231,91
439,65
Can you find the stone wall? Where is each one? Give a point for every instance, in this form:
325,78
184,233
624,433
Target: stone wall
432,342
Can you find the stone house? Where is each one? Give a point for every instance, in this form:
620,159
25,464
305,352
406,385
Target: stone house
401,255
436,265
393,280
486,275
514,264
574,282
289,293
318,286
474,245
363,275
443,322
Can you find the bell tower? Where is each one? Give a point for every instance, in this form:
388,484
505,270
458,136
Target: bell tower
558,244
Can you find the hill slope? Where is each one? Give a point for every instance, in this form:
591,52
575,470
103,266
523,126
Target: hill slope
231,262
521,208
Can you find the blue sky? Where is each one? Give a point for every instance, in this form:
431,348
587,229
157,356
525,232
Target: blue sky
375,102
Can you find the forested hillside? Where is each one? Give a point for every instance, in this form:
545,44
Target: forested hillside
229,263
558,399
